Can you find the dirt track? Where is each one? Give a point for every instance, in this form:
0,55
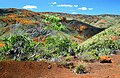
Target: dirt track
14,69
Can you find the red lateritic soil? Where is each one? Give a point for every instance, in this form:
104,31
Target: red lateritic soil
15,69
1,44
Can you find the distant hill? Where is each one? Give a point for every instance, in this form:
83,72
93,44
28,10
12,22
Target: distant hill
78,27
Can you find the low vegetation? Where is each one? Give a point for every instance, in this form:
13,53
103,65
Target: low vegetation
80,69
103,43
49,37
17,46
20,46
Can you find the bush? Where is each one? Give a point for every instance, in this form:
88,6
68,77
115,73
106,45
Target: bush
53,23
55,47
80,69
20,46
88,57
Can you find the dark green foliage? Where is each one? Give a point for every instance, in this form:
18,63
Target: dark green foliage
21,47
18,45
56,46
54,23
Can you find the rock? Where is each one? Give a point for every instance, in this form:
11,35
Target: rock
115,52
1,68
63,19
105,59
72,53
49,66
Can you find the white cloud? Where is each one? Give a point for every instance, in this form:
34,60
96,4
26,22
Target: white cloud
83,8
51,5
90,8
54,3
64,5
74,12
75,5
29,7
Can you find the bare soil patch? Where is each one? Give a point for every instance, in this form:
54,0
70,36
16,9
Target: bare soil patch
30,69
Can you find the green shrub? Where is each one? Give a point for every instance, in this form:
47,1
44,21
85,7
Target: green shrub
53,23
20,43
80,69
68,58
55,45
88,57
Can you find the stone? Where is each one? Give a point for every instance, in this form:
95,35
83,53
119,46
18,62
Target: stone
49,66
105,59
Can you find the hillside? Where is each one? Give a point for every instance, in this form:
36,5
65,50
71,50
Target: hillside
41,25
9,18
78,27
102,21
58,45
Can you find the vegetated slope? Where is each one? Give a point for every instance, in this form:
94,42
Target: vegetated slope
102,21
11,19
55,34
55,43
104,43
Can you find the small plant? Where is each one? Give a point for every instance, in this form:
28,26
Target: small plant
68,58
88,57
80,69
68,65
53,23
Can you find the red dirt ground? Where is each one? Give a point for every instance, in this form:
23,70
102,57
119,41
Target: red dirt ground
15,69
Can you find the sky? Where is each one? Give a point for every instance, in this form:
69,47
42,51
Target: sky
90,7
